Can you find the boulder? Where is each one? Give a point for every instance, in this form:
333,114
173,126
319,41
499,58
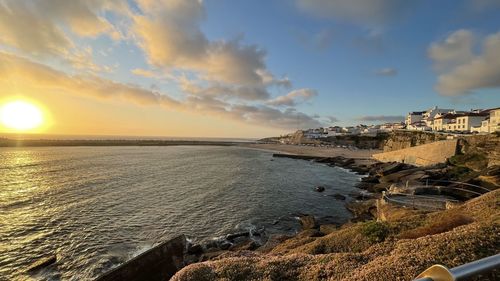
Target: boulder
248,245
308,222
194,249
272,242
320,188
390,168
233,236
224,245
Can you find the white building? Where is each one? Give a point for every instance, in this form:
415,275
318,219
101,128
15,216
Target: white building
467,121
485,125
419,126
413,117
429,115
494,123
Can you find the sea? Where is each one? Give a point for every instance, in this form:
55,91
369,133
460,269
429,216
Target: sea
96,207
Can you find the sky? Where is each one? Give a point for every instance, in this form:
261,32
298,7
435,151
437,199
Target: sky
234,68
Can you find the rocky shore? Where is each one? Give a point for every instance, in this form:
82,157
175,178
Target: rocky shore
405,240
380,242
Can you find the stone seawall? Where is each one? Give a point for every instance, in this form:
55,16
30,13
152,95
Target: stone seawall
422,155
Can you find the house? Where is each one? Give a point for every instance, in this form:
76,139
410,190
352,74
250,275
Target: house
419,126
466,121
494,121
413,117
334,131
429,115
441,121
392,126
485,125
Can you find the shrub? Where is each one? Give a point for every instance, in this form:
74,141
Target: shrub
473,160
375,231
439,225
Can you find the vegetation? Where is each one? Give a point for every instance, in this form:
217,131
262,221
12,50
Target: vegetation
440,225
397,249
473,160
375,231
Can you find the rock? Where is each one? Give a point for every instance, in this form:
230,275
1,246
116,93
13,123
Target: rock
338,196
370,179
224,245
272,242
327,228
194,249
236,235
211,244
249,245
42,263
258,232
320,188
492,171
308,222
403,176
390,168
362,211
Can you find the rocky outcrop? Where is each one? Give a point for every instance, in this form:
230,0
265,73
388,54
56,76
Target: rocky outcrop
405,139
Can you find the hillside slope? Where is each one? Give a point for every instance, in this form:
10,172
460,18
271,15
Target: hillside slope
398,249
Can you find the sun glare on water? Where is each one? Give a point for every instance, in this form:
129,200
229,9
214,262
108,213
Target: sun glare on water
21,115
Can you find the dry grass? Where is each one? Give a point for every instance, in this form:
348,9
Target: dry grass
449,237
442,224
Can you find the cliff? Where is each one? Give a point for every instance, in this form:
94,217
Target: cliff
405,139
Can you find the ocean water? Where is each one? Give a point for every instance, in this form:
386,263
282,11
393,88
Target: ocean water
96,207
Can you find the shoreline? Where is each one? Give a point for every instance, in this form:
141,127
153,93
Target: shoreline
360,156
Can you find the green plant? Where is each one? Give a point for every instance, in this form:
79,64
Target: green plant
375,231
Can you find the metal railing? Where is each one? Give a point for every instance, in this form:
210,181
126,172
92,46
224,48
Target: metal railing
462,272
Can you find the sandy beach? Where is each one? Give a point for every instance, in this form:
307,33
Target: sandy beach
361,156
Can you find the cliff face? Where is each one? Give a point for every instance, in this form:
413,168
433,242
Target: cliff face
405,139
487,146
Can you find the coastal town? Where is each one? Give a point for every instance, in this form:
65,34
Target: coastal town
435,119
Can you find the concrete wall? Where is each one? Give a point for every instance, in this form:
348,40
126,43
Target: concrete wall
422,155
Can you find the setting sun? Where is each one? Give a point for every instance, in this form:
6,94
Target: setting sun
21,115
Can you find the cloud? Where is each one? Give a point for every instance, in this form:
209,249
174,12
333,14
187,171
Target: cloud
381,118
319,41
22,28
224,91
169,33
386,72
332,119
84,17
36,28
22,75
465,71
293,98
363,12
453,51
144,73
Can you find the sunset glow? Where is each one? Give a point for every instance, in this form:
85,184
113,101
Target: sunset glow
21,116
